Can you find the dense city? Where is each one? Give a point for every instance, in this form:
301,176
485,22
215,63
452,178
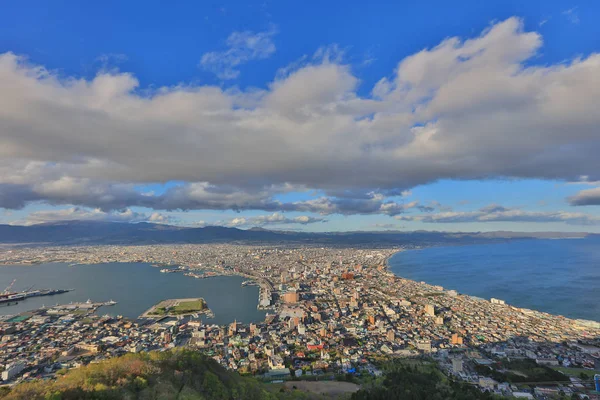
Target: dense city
330,311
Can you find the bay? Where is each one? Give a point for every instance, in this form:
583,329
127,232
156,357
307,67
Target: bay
134,286
556,276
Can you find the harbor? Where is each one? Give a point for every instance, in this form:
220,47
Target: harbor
136,287
10,298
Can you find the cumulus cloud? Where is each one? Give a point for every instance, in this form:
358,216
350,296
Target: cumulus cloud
191,196
496,213
464,109
369,203
82,214
242,47
587,197
272,219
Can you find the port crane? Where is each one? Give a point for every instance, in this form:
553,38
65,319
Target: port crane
7,290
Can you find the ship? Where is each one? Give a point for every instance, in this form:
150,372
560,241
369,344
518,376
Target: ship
8,299
11,298
46,292
193,275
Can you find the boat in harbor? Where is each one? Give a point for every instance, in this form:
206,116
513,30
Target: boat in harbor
11,299
169,270
194,275
46,292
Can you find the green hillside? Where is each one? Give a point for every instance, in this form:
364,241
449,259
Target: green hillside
181,374
417,380
186,375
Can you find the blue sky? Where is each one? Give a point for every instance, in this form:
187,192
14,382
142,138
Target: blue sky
302,115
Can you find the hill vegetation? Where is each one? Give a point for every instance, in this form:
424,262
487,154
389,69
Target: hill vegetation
188,375
181,374
409,380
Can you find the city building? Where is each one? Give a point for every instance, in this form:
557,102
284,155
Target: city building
13,369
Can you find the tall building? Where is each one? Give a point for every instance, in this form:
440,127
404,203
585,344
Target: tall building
301,329
12,370
254,330
424,345
456,340
233,328
390,336
429,310
291,297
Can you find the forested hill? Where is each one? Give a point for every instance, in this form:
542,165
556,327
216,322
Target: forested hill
188,375
165,375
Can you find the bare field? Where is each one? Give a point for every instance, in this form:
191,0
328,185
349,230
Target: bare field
327,388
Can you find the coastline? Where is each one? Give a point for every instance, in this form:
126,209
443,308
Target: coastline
465,293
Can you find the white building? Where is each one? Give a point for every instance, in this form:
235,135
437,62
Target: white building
276,362
12,370
424,345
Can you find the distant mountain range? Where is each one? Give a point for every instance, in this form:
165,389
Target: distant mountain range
86,232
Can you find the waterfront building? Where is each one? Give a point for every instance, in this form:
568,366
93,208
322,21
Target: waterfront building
232,328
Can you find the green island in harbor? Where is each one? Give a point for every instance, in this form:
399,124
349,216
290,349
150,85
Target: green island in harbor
177,307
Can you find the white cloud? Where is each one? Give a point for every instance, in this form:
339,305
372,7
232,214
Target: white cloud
82,214
587,197
497,213
272,219
464,109
242,47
